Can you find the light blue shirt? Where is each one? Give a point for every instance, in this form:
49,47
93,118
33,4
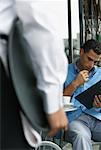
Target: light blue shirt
94,76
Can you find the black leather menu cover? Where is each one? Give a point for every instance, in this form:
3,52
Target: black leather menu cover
87,96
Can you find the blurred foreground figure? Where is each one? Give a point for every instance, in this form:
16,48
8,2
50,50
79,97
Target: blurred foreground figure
49,65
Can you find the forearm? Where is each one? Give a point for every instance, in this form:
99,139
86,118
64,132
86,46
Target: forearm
79,80
69,90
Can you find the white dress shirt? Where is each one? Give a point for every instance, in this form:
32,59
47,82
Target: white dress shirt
46,46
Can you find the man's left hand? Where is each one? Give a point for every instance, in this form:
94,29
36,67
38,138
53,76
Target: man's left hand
97,101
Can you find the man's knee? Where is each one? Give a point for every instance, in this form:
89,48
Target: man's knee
78,130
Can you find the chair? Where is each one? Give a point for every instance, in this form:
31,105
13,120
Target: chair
97,143
24,82
96,146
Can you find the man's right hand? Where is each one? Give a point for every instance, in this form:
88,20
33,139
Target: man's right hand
81,77
57,121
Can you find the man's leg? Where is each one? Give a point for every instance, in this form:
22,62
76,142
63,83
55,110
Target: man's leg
96,130
79,135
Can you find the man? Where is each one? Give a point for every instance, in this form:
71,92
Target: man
46,48
82,74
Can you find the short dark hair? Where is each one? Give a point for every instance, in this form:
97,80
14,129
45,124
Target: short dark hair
92,44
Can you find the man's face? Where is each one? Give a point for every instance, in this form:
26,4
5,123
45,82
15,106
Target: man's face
88,59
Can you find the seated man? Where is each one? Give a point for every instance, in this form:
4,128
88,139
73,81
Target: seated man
81,75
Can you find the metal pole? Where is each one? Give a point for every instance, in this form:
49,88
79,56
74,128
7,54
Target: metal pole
70,32
81,20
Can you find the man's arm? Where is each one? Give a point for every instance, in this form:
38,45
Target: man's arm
79,80
48,59
57,121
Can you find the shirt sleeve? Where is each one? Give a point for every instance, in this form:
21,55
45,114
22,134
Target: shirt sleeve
46,52
7,15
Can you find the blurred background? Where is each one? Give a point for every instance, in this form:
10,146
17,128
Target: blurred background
78,21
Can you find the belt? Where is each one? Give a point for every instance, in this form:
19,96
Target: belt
4,37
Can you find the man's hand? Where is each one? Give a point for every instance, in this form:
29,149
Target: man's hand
79,80
81,77
57,121
97,101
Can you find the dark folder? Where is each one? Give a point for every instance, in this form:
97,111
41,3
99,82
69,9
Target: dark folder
87,96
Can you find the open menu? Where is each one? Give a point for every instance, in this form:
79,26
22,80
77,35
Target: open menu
87,96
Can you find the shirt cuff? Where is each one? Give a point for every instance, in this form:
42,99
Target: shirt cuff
53,99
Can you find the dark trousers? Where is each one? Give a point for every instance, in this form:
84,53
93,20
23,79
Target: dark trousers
11,132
